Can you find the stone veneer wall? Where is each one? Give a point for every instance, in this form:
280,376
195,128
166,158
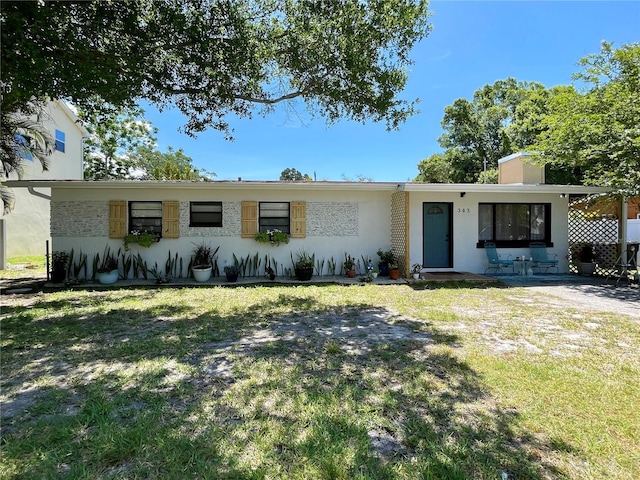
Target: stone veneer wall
332,219
91,219
80,218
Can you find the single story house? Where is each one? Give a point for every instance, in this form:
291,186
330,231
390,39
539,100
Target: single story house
442,227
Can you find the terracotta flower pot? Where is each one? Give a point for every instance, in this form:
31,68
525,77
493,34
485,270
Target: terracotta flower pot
351,273
394,274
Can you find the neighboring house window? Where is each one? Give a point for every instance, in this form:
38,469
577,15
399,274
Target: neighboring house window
60,141
205,214
514,224
23,147
274,215
145,217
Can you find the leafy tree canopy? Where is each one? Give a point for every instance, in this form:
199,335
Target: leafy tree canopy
113,135
435,169
22,137
211,58
293,175
122,145
151,164
598,129
499,120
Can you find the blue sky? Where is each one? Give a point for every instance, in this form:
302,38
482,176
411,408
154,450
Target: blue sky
473,43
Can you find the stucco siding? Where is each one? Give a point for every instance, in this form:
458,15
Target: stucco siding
466,256
358,226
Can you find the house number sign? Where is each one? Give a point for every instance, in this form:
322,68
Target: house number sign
464,210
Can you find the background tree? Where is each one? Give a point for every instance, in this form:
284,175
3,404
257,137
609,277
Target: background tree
501,119
147,163
598,130
213,58
293,175
478,133
435,169
114,134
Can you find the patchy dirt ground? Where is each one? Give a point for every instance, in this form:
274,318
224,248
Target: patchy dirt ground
592,295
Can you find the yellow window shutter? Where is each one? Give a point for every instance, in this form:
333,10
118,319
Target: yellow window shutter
170,219
117,218
298,219
249,219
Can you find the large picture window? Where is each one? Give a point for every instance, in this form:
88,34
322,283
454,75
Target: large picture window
514,224
274,215
205,214
145,217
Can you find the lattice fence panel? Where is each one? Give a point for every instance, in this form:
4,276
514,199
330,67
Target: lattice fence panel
399,226
600,231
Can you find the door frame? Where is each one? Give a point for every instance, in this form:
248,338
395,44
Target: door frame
449,232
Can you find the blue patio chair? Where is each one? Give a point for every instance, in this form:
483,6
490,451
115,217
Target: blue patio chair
496,261
541,259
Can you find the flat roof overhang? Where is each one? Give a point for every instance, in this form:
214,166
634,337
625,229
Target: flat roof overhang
275,185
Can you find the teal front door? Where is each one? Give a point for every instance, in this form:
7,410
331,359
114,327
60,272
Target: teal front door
437,235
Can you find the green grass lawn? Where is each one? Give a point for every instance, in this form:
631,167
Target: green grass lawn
21,267
315,382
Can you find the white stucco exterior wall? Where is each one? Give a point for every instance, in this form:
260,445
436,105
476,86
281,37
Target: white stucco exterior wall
342,217
466,256
354,222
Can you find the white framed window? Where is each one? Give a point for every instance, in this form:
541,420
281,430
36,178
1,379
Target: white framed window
274,215
145,216
205,214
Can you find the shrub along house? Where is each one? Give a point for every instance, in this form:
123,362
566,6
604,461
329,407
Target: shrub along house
441,226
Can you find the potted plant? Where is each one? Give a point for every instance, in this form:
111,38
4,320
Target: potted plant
584,258
143,239
386,258
415,271
349,266
274,237
303,265
59,264
107,271
232,272
201,261
394,271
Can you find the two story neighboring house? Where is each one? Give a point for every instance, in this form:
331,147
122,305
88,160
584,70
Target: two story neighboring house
26,229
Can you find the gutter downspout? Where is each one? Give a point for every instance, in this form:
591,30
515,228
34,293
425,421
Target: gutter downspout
32,191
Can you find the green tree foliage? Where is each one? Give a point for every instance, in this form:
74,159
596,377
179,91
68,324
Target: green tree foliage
212,58
435,169
499,121
293,175
598,129
114,135
22,136
148,163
